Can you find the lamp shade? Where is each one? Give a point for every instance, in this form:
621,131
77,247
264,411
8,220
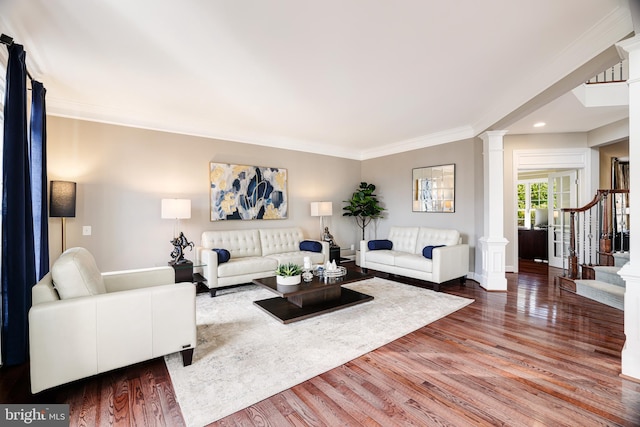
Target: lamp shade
62,199
176,209
321,208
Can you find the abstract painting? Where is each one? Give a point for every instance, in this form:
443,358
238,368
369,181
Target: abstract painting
247,192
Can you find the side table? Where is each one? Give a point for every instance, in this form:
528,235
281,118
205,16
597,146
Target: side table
334,254
184,272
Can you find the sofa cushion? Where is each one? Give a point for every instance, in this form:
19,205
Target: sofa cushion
75,274
382,256
414,262
376,245
223,255
239,243
246,265
297,257
435,236
311,246
279,240
427,251
404,239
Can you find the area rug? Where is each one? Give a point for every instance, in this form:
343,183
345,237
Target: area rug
244,355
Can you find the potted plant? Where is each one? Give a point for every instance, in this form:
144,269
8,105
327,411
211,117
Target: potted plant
363,206
288,274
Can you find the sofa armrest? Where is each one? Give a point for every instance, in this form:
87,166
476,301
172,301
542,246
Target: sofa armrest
450,262
117,281
79,337
364,248
141,324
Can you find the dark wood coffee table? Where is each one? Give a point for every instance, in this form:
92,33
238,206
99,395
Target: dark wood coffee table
309,299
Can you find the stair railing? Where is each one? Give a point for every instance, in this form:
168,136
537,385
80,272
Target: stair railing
617,73
592,239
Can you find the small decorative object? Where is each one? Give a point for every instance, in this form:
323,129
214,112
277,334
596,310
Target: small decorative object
307,274
328,237
179,244
363,206
330,270
288,274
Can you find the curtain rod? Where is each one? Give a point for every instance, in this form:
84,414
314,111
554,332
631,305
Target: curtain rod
8,40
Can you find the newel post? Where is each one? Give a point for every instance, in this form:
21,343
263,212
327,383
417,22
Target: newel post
573,258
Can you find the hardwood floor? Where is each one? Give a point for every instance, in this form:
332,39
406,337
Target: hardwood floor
534,356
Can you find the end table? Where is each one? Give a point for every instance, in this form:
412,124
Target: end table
334,254
183,271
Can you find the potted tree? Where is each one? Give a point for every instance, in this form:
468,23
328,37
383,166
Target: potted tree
363,206
288,274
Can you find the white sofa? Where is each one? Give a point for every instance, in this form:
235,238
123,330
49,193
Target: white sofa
405,258
254,254
83,322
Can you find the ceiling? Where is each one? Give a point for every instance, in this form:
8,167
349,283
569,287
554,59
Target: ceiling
350,78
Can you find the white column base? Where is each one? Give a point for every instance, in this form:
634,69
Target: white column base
493,263
631,350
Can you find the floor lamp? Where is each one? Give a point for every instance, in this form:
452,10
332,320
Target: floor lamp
62,204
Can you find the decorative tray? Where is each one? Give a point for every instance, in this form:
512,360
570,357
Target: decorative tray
321,272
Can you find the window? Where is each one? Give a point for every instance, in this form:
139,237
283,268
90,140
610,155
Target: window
532,195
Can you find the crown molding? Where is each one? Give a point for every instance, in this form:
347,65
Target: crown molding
443,137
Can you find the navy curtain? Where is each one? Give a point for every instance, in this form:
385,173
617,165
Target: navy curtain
18,259
39,178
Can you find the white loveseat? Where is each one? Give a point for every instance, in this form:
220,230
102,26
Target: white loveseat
83,322
405,255
253,254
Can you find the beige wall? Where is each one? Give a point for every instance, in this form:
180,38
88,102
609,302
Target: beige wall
123,173
392,176
607,152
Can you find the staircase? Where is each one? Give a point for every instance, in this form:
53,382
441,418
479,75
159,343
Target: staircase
606,286
592,264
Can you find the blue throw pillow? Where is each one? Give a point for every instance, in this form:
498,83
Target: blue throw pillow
223,255
375,245
427,252
311,246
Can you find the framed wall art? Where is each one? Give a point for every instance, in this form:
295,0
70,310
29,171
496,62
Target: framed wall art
434,188
247,192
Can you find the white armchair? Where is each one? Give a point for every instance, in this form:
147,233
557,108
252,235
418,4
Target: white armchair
83,322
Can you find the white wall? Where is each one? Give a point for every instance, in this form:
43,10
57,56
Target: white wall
123,173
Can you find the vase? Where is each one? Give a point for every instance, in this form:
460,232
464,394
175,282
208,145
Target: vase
288,280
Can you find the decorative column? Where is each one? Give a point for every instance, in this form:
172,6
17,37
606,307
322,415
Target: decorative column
630,49
493,243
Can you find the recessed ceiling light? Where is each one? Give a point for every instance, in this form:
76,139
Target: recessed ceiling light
539,124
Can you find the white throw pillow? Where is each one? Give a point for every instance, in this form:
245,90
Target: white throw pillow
75,274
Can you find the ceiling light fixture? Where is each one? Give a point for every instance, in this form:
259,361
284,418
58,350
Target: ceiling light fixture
539,124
